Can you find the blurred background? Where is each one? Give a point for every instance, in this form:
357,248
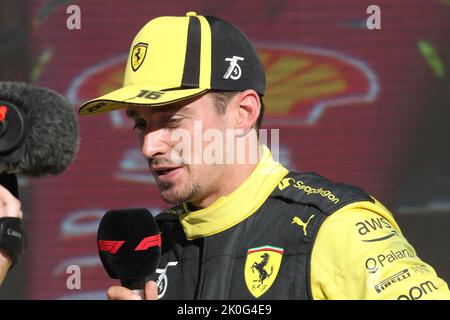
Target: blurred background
360,106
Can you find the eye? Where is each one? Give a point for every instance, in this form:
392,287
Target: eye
139,125
173,122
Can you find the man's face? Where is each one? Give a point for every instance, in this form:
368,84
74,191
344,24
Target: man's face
171,162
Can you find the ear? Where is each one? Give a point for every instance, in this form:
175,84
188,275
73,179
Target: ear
248,105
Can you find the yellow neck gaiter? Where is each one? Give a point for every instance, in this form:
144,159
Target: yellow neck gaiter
228,211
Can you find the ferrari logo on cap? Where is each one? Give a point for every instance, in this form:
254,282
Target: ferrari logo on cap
138,55
261,268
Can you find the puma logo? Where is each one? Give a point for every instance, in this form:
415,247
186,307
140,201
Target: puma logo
298,221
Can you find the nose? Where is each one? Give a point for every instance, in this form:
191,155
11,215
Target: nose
155,143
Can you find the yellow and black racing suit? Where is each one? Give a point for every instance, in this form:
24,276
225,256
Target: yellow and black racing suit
287,235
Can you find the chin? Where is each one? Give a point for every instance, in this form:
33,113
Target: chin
179,193
172,197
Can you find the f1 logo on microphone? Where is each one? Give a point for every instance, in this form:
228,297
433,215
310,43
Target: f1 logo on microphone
112,246
152,241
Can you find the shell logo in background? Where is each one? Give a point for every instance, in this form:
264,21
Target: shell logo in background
303,82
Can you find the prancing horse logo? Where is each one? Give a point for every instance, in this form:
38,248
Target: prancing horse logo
138,55
261,268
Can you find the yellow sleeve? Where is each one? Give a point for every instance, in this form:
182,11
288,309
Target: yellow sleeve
360,253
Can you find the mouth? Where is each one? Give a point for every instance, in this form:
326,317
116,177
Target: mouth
165,173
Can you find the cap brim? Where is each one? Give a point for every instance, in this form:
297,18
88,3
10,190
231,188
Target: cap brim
148,95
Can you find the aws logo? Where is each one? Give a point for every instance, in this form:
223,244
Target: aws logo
375,229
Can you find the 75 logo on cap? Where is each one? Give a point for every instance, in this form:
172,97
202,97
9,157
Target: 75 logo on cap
234,70
138,55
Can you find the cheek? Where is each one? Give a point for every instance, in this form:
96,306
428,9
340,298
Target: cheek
190,141
203,174
196,173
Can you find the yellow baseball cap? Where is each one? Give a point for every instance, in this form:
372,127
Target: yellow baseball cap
175,58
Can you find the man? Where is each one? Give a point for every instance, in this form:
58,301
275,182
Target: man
246,229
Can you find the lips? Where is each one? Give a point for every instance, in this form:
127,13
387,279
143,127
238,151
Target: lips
164,173
162,170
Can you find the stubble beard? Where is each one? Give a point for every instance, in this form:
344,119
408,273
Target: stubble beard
170,195
168,190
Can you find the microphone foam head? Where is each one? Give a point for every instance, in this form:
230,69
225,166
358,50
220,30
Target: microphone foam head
52,139
129,244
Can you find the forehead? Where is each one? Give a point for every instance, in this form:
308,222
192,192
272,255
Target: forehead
134,111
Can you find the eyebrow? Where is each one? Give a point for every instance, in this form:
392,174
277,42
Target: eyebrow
131,113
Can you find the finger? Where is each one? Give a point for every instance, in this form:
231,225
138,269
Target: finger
121,293
151,290
10,204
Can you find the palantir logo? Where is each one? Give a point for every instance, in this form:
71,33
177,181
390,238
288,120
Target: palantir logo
234,70
375,263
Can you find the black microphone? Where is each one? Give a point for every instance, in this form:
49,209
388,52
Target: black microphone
38,137
38,132
129,245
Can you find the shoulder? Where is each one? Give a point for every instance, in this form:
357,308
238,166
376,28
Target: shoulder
360,253
313,189
359,226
